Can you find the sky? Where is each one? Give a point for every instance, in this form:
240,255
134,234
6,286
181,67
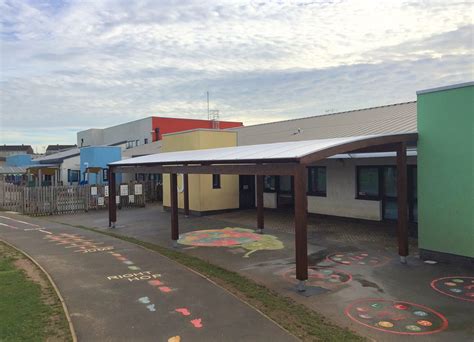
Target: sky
67,66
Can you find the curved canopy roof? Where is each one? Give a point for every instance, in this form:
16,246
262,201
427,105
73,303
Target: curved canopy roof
295,151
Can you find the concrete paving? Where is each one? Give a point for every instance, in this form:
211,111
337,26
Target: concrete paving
117,291
368,276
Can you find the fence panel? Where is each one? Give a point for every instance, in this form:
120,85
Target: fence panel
54,200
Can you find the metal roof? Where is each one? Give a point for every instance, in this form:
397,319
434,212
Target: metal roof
293,150
12,170
390,119
58,157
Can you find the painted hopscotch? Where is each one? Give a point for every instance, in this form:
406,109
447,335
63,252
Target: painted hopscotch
80,243
396,317
358,258
460,287
320,276
231,237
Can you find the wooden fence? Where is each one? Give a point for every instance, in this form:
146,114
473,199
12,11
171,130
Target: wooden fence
54,200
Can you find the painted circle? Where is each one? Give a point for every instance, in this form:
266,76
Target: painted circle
323,277
459,287
219,237
357,258
386,316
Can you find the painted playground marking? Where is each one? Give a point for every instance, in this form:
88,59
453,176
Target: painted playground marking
396,317
8,226
358,258
143,275
460,287
321,276
23,222
231,237
79,243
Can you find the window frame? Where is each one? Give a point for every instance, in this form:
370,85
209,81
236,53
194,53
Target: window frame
70,172
268,190
377,197
309,192
216,185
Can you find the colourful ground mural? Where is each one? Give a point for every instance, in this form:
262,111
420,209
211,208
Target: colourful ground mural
358,258
231,237
321,276
458,287
395,317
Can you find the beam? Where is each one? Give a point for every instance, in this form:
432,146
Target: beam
186,194
402,226
174,208
112,194
360,145
301,238
273,169
260,217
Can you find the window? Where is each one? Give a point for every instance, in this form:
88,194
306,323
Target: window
368,182
105,175
73,175
157,133
269,184
129,144
216,181
137,142
145,141
317,181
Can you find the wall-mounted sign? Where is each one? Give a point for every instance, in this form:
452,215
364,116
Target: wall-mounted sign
131,198
106,191
117,199
123,190
93,190
100,201
138,189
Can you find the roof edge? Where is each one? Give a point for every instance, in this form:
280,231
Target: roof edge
442,88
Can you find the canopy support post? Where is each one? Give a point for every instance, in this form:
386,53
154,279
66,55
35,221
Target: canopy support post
301,238
174,208
112,194
260,212
186,194
402,226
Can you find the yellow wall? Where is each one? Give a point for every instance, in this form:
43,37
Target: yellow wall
202,197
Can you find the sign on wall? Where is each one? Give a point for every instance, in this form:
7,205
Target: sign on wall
123,190
106,191
138,189
100,201
131,198
93,190
117,199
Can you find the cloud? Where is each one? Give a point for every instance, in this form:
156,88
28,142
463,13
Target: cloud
72,65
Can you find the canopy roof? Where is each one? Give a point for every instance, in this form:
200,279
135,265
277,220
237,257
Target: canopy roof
294,151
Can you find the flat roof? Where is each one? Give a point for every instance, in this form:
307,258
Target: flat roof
452,86
276,152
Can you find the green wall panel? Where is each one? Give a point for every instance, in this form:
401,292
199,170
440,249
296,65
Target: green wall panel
446,170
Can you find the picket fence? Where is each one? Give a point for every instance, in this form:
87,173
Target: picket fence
56,200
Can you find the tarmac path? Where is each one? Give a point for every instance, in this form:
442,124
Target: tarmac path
117,291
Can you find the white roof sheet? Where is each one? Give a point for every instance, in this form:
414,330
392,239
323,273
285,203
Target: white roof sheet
269,152
59,155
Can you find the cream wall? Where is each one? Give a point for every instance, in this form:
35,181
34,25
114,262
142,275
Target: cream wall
202,197
341,186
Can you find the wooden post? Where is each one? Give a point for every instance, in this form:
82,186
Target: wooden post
186,194
301,238
402,227
174,208
112,194
260,215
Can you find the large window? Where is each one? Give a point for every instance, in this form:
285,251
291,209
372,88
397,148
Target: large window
73,175
270,183
216,181
368,182
317,181
105,175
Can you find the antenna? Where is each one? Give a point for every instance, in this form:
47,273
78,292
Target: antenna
208,113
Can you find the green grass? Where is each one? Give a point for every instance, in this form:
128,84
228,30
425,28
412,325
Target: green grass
28,312
301,321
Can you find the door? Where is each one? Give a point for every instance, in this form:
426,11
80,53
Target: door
246,192
389,193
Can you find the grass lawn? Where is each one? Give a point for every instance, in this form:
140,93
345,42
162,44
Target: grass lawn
29,308
301,321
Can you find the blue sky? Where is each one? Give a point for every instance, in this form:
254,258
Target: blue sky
72,65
